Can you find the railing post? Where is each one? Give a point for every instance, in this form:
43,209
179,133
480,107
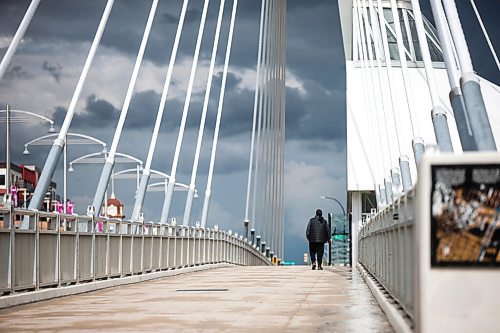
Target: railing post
120,255
77,251
36,263
58,249
107,270
93,263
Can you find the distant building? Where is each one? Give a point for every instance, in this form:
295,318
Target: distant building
23,180
114,208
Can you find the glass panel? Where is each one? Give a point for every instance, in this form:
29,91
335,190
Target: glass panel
436,54
391,39
2,179
403,31
414,35
429,28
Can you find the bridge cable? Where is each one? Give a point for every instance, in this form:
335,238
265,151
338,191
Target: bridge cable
173,173
267,131
418,144
263,125
439,118
380,114
276,132
359,56
485,33
371,96
191,191
381,35
18,36
139,200
456,96
254,120
208,191
257,183
110,159
59,143
282,131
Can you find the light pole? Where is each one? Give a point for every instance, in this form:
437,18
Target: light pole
343,215
331,198
100,158
74,138
17,116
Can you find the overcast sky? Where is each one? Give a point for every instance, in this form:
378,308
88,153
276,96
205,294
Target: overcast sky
46,67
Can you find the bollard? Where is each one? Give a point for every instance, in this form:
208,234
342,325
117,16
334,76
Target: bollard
476,110
461,119
388,191
404,164
245,227
418,149
252,236
441,129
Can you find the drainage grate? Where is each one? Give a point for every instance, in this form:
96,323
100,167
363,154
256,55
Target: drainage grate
202,290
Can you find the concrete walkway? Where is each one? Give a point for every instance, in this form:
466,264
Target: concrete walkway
233,299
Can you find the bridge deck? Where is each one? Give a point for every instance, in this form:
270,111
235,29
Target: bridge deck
232,298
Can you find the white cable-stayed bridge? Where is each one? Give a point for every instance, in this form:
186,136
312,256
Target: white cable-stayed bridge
423,193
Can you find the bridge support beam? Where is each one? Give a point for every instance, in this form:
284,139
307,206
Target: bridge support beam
471,90
461,119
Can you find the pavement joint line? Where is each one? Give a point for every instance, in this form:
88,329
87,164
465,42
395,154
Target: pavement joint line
394,316
50,293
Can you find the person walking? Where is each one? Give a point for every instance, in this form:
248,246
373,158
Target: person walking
317,234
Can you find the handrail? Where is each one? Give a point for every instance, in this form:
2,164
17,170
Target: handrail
62,249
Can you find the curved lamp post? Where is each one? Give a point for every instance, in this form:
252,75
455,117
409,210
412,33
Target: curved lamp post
100,158
344,215
156,187
331,198
71,139
17,116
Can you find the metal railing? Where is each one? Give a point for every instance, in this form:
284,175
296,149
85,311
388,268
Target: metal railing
60,249
386,250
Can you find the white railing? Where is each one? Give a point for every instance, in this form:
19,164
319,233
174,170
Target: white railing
386,250
62,249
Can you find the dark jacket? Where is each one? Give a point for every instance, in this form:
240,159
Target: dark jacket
317,230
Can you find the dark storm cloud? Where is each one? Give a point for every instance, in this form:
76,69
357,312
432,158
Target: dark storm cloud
54,70
16,72
316,116
77,21
238,108
98,113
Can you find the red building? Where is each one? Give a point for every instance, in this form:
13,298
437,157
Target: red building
24,179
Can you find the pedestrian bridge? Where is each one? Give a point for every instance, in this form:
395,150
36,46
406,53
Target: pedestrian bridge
426,257
220,297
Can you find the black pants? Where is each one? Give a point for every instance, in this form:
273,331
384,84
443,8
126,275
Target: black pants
316,249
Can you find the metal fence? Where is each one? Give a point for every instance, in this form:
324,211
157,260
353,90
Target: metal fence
60,249
386,249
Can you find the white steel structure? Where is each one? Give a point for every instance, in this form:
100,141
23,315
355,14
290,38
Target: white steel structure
388,102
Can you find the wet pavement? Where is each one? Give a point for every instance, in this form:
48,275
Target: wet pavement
275,299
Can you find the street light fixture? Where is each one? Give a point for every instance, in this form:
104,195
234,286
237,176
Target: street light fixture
19,116
100,158
74,138
331,198
343,214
